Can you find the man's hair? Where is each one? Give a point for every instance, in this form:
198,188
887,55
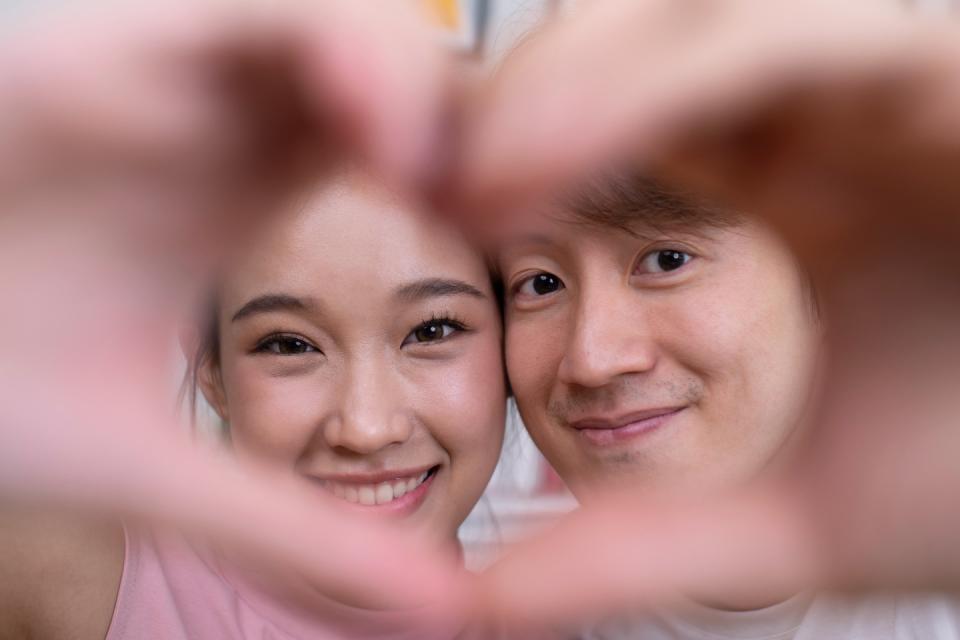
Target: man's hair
623,200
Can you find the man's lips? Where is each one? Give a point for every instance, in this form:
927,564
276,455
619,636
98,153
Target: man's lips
613,429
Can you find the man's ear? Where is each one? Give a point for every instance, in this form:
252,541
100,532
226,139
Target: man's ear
207,373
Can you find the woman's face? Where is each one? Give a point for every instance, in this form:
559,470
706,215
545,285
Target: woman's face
360,348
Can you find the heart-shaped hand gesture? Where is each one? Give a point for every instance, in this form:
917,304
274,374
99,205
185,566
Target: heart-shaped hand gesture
129,169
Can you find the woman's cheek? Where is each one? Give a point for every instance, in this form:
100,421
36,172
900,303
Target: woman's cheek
274,418
469,425
469,399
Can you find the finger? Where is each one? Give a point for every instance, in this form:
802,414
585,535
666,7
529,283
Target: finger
882,459
629,554
276,521
106,447
624,82
282,522
207,90
383,73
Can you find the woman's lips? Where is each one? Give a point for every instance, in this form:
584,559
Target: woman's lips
398,495
604,431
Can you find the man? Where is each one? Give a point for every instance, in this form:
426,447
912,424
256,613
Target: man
657,342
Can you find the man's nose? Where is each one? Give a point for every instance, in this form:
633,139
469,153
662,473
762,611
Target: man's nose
610,337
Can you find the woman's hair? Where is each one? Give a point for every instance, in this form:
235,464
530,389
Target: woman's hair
206,350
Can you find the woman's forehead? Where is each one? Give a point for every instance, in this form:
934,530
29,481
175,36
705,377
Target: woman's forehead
346,238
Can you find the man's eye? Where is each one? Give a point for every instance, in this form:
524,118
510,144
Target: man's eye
540,284
663,261
285,346
432,331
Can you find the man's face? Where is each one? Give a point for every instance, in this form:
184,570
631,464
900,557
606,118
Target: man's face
674,358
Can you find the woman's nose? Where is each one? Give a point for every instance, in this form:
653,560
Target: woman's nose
372,414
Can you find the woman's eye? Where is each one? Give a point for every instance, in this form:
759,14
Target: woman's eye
540,284
432,331
663,261
285,346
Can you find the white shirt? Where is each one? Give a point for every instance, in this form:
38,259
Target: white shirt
826,617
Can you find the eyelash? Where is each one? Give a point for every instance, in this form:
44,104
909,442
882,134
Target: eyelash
277,338
443,319
654,253
514,290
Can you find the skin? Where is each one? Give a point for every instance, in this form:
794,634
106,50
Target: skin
60,575
357,389
724,334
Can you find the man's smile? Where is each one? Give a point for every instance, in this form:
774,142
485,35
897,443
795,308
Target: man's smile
610,430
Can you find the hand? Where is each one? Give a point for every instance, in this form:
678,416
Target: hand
139,146
836,123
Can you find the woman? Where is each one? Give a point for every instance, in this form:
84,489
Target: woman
355,346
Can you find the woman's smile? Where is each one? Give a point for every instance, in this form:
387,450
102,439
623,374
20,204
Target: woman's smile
395,492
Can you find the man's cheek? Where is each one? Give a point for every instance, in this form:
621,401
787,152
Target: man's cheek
711,341
530,360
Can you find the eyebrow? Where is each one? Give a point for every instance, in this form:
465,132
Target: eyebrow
272,302
435,288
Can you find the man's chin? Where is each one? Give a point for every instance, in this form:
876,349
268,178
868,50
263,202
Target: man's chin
599,482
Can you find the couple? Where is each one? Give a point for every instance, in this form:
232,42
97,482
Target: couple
695,314
651,340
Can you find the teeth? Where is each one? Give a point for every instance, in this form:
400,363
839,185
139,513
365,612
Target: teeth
384,493
350,494
367,495
370,494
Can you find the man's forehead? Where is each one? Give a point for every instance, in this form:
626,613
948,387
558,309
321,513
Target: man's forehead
566,228
525,238
613,209
555,235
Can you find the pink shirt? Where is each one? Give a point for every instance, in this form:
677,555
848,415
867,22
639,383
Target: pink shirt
171,591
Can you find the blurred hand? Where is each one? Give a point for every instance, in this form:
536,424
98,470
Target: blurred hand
836,122
138,145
